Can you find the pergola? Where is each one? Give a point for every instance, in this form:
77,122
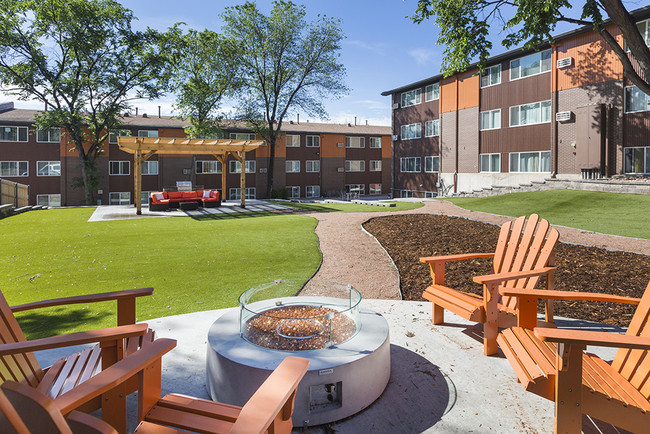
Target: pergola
144,148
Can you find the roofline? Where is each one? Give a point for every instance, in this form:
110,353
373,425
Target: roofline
516,52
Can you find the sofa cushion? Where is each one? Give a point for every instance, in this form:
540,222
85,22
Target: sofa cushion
175,195
214,194
189,194
206,193
158,196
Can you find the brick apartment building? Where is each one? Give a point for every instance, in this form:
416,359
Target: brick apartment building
312,160
563,110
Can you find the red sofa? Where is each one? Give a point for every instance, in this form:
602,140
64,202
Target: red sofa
171,199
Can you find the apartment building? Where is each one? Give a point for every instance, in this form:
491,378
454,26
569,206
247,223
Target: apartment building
312,160
563,110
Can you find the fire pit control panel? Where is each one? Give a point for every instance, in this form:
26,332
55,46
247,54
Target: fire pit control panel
325,397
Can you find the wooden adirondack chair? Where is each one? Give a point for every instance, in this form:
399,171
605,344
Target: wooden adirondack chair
18,363
552,363
524,253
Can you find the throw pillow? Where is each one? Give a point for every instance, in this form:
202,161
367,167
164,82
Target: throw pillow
206,193
159,196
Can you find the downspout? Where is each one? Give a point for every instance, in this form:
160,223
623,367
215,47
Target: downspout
392,149
554,110
456,138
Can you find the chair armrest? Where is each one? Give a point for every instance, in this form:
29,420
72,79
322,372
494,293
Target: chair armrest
79,338
503,277
114,375
567,295
460,257
90,298
600,339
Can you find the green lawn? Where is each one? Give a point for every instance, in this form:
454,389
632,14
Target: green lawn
348,207
610,213
192,264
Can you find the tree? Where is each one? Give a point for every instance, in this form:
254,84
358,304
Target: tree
84,62
464,27
287,65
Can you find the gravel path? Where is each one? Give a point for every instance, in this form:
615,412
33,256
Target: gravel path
351,255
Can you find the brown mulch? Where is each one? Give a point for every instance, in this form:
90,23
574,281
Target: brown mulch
579,268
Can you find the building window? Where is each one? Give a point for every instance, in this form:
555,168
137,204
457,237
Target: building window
406,193
432,128
355,166
411,131
532,64
14,168
492,76
535,162
235,166
114,134
293,141
294,191
430,194
411,97
144,197
635,100
235,193
150,168
313,141
644,29
147,133
119,167
292,166
50,200
13,134
313,191
431,164
242,136
355,189
489,163
312,166
48,168
355,142
375,165
208,167
432,92
410,165
490,120
528,114
374,188
53,135
637,160
375,142
120,198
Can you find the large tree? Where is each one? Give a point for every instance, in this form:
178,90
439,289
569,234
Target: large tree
83,61
288,65
465,24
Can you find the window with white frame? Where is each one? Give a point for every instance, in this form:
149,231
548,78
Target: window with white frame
292,166
48,168
411,131
312,166
294,191
644,30
532,64
411,97
490,120
114,134
13,134
50,200
119,167
242,136
410,164
432,164
292,141
636,100
535,162
355,142
356,189
406,193
375,165
313,142
119,198
312,191
355,166
53,135
528,114
489,163
235,166
235,193
375,142
636,160
150,167
432,92
432,128
430,194
204,167
147,133
492,76
374,188
14,168
144,197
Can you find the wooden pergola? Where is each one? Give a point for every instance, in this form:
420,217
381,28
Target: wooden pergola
144,148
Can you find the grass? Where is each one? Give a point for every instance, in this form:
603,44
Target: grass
349,207
609,213
192,264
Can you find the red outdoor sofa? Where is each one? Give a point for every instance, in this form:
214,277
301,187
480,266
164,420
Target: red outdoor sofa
172,199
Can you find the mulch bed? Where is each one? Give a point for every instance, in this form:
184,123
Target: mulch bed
579,268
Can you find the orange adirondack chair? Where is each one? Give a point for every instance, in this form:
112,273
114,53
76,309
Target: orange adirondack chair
18,363
552,363
524,253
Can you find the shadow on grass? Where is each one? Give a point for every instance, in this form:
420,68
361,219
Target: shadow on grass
308,207
238,215
56,322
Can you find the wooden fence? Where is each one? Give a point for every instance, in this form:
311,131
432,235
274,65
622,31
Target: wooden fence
13,193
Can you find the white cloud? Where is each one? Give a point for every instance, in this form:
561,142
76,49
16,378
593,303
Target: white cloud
422,55
375,47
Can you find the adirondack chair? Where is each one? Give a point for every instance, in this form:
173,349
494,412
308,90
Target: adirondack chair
18,363
552,363
524,253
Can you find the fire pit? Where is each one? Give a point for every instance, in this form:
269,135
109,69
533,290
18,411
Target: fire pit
348,348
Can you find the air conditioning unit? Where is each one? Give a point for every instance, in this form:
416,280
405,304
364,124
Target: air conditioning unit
395,136
262,169
395,106
340,145
563,116
564,62
340,169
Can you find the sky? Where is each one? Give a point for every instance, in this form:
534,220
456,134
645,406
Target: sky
383,48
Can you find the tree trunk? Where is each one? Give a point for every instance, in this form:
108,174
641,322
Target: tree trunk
269,170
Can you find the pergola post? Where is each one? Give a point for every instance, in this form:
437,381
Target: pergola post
241,157
138,180
223,159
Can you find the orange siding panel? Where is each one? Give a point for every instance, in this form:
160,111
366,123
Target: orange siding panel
386,147
448,95
329,145
468,90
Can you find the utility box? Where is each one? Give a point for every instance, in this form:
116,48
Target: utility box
591,131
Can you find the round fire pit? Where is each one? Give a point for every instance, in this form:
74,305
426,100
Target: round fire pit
347,346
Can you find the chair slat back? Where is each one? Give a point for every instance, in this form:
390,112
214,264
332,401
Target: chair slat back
18,367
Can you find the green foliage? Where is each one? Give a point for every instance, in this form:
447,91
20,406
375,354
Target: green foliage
280,193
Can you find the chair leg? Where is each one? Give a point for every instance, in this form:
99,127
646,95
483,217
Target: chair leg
491,325
568,389
438,315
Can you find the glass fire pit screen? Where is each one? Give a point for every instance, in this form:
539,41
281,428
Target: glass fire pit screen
272,317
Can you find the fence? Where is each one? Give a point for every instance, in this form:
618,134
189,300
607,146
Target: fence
13,193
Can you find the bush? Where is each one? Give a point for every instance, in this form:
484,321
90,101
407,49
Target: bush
280,193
